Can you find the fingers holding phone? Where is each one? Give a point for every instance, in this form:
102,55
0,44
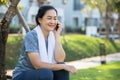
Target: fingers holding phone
58,27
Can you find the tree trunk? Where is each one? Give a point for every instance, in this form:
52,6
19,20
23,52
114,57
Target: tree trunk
22,21
118,27
4,30
107,25
107,19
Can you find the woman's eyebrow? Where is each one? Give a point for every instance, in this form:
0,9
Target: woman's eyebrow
51,16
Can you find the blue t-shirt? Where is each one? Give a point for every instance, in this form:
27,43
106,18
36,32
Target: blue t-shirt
30,44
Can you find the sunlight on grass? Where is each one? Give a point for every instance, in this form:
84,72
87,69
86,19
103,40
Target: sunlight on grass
109,71
109,66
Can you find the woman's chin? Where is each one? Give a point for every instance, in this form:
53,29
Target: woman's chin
51,29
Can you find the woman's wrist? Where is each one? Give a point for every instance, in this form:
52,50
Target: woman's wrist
57,35
64,66
57,38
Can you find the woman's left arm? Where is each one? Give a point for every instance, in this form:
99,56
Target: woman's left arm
59,51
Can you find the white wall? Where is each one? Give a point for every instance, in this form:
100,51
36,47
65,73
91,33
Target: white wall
69,13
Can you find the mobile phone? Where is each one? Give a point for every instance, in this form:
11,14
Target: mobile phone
56,28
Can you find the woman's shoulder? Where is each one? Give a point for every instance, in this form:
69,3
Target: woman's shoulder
31,34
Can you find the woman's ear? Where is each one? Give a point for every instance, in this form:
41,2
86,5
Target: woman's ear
39,20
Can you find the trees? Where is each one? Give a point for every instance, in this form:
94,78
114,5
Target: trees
3,2
4,30
105,8
116,5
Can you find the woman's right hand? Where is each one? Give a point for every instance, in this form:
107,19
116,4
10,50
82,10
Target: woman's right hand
71,69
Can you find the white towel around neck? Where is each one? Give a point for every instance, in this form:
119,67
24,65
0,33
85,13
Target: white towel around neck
46,56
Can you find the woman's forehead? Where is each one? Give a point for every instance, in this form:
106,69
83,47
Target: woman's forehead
50,13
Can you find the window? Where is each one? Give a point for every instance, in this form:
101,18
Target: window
76,4
65,1
33,18
76,21
91,22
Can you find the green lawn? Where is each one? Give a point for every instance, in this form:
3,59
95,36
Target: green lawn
109,71
76,46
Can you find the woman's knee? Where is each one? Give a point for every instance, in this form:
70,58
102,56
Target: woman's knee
62,72
47,74
61,75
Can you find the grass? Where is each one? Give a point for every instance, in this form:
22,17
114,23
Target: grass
76,47
13,50
110,71
79,46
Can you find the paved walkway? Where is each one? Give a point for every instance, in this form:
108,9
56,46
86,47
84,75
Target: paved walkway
88,62
94,61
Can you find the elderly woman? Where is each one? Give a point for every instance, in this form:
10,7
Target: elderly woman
42,55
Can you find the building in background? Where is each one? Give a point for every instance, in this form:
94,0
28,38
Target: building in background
69,11
72,13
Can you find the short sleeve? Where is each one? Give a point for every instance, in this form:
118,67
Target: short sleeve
31,42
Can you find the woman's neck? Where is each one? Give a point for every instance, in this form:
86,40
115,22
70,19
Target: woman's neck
45,33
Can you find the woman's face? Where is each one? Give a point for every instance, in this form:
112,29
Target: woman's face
49,20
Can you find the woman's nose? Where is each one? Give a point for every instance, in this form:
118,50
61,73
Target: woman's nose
53,21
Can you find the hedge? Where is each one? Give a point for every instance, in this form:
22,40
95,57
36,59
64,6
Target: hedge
76,47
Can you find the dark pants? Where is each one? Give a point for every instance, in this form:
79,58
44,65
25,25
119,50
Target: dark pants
43,74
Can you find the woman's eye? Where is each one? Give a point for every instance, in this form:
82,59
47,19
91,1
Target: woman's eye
49,18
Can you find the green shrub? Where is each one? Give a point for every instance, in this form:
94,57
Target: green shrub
14,28
118,46
76,47
79,30
68,29
31,26
75,29
79,46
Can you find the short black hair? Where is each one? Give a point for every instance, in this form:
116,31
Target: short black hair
42,10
